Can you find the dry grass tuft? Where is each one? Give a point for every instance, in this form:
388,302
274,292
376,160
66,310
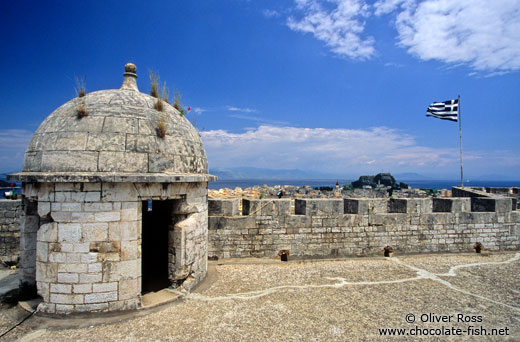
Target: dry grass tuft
177,101
159,105
161,128
165,93
81,112
80,86
154,83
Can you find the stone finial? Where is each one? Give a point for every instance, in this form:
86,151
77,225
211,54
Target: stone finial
130,67
130,77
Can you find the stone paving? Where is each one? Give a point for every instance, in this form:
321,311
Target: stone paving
316,300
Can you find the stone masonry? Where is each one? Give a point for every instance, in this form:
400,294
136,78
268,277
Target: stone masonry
351,227
87,171
88,243
10,230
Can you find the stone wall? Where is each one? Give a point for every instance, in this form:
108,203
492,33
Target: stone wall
88,241
347,227
10,230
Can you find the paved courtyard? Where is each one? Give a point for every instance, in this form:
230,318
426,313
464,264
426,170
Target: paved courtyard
319,300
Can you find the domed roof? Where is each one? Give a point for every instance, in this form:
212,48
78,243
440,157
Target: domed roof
117,134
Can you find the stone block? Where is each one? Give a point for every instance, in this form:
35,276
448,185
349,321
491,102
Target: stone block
123,162
68,277
81,288
162,162
129,250
105,287
69,161
113,142
389,220
128,269
477,218
61,216
319,206
66,298
410,205
107,216
91,307
42,251
298,221
121,231
48,232
92,232
437,218
95,268
97,206
72,268
120,125
223,207
69,232
81,217
266,207
91,196
119,192
81,247
129,214
60,288
483,204
231,222
365,206
504,205
44,208
89,278
71,207
129,288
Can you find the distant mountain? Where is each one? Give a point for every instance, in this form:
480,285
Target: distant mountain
410,176
261,173
4,174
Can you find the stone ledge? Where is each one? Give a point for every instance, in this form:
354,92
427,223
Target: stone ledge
109,177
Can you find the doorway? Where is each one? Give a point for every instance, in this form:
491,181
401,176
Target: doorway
156,219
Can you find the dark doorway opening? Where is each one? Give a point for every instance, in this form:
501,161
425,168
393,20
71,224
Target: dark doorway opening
156,218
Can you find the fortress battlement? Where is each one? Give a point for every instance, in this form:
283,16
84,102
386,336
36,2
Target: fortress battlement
353,226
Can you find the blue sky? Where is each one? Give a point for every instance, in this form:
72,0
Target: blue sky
332,86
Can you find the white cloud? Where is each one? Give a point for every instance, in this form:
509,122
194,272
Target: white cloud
244,110
270,13
257,119
347,152
388,6
338,23
13,143
480,33
335,150
198,110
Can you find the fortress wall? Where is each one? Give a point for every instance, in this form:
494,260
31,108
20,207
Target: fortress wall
350,227
10,230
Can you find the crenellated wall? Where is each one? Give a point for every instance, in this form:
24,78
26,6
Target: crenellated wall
10,230
347,227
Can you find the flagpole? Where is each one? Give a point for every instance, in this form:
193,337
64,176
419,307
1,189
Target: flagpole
460,136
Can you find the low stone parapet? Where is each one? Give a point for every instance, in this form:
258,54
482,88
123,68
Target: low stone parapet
266,207
10,230
318,206
365,206
223,207
451,205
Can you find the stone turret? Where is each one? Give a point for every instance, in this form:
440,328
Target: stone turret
111,208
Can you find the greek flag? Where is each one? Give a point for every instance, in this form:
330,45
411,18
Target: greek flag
447,110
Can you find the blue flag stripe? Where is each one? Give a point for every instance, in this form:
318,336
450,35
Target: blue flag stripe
446,110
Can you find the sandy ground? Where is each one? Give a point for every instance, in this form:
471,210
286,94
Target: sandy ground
325,300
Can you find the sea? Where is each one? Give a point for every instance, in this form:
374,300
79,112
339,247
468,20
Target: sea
316,183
